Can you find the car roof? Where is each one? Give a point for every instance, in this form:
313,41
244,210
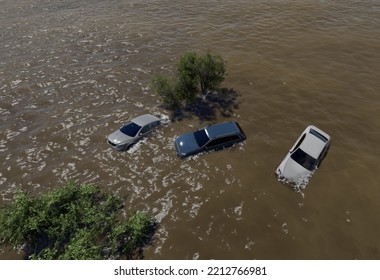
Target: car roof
312,144
145,119
220,129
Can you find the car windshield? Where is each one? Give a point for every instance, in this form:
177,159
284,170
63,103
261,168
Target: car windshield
130,129
201,137
304,159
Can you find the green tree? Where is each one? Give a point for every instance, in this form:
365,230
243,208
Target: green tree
74,222
166,91
195,75
187,77
211,72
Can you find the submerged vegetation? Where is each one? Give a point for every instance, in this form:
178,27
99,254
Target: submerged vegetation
195,76
74,222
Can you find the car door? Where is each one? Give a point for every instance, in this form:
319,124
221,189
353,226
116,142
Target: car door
145,130
222,142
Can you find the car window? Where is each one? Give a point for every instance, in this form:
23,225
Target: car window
201,137
222,140
130,129
318,135
241,131
299,142
214,143
145,129
304,159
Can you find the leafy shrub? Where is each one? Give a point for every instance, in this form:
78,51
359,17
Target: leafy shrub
211,71
195,75
166,91
74,222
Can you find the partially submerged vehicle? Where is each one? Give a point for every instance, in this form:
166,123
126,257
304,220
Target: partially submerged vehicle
212,137
304,157
133,131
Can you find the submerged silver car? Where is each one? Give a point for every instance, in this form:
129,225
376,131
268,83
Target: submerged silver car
131,132
213,137
304,157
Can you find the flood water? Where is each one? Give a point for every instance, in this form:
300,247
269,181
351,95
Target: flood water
71,72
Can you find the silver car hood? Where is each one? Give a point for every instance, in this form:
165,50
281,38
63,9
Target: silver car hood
119,137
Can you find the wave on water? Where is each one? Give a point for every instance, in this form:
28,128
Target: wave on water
299,185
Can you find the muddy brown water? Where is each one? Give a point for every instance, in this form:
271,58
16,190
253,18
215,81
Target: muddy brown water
71,72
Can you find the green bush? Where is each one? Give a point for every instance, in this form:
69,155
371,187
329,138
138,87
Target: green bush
195,75
74,222
187,77
166,91
211,71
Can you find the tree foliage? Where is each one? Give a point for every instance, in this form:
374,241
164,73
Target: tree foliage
211,72
187,77
74,222
166,91
196,74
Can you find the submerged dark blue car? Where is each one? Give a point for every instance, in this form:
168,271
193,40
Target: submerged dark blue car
213,137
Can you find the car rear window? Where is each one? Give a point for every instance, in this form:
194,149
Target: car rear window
318,135
201,137
130,129
304,159
241,130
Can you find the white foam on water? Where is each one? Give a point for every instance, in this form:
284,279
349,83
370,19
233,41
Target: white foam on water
84,142
3,145
166,181
42,166
141,70
67,125
298,186
11,134
31,106
196,187
154,174
15,83
162,234
52,146
138,104
134,149
230,181
44,84
4,111
284,228
127,43
209,229
165,119
166,204
2,179
249,244
239,209
194,209
5,193
196,256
